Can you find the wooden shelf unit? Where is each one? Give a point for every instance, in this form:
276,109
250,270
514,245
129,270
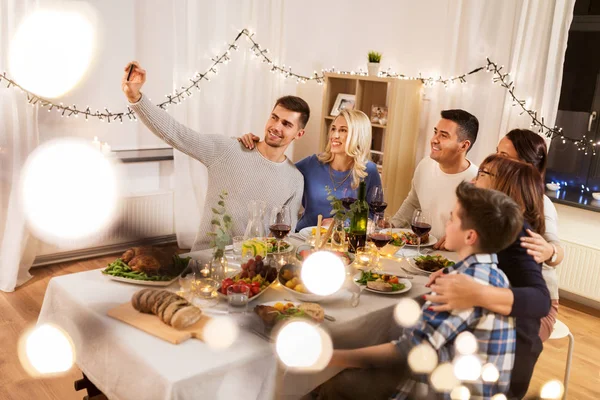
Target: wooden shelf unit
395,142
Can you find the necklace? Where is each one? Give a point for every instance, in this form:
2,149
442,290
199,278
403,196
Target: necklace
336,187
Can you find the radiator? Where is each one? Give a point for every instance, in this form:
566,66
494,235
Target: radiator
139,217
579,273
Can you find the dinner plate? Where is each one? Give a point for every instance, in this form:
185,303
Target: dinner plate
307,232
295,303
406,282
432,239
413,264
347,260
141,282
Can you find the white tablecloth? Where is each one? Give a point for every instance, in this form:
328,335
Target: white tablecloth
126,363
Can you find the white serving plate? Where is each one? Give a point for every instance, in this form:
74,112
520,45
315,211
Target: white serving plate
251,299
140,282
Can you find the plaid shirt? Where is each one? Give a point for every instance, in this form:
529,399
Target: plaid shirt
495,333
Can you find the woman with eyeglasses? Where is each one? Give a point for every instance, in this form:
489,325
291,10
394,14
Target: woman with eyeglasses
529,147
528,298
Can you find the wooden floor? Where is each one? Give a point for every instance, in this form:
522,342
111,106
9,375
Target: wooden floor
19,310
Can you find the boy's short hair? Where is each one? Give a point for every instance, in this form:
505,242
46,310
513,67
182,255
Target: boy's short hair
495,217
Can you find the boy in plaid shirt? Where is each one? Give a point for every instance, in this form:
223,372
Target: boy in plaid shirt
482,223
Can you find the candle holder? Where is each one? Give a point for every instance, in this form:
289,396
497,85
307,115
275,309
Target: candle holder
205,292
367,256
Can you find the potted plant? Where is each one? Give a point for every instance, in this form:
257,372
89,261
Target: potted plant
374,63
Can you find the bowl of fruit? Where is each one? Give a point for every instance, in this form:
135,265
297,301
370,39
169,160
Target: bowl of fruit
255,274
289,278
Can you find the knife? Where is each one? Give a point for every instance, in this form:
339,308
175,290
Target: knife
261,335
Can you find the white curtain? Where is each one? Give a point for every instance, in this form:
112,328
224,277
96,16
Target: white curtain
18,137
236,102
528,37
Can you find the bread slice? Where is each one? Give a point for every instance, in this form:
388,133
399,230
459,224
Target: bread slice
135,299
314,310
144,305
185,317
172,309
165,303
159,299
151,300
380,286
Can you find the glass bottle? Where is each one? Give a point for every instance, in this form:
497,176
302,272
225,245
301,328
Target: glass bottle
357,237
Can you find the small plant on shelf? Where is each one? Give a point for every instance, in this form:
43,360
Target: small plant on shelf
374,57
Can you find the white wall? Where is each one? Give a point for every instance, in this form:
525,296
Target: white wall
578,225
325,34
317,34
127,30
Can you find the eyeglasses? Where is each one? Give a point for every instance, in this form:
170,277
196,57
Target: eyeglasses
483,172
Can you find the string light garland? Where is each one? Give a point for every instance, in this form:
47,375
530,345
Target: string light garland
503,79
258,52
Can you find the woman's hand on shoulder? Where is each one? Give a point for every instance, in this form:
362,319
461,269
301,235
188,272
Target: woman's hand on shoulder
537,246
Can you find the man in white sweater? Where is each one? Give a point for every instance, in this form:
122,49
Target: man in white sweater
263,173
437,176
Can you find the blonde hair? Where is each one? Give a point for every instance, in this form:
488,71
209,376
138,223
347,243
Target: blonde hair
358,144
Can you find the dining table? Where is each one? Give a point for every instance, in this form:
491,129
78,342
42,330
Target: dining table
127,363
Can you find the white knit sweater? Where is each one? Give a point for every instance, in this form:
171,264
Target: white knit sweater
245,174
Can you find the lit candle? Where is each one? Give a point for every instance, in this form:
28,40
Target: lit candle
96,143
105,149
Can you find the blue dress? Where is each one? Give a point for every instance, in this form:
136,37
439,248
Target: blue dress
316,177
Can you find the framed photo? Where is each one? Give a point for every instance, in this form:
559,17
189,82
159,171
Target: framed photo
343,102
377,157
379,115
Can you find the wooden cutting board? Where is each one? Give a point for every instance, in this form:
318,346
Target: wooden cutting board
151,324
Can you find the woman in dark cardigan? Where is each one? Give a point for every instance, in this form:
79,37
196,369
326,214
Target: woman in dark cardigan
528,298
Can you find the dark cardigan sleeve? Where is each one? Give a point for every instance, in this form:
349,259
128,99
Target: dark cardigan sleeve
531,296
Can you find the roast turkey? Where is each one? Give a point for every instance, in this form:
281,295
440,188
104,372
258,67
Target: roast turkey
152,261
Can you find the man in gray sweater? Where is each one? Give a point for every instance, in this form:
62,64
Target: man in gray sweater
263,173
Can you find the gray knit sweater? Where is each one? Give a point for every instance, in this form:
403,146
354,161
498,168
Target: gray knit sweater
245,174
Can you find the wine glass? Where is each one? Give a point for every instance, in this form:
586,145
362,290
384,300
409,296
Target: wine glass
280,223
376,200
348,197
421,225
381,233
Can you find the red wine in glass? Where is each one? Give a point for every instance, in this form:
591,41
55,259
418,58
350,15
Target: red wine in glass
347,202
420,228
378,206
380,239
421,224
280,231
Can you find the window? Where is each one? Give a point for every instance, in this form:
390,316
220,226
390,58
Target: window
579,105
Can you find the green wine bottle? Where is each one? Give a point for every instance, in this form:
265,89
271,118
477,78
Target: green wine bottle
357,237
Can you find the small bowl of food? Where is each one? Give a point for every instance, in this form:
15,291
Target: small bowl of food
552,186
596,195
